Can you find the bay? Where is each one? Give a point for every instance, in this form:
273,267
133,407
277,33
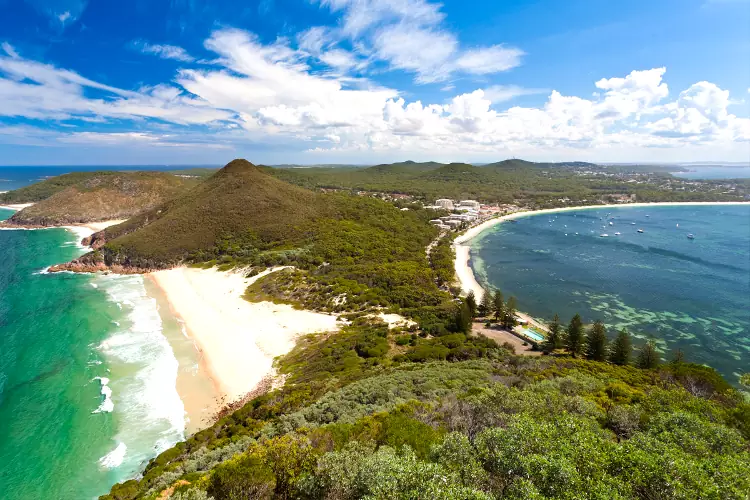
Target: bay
686,294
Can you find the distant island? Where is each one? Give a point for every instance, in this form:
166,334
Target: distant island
355,361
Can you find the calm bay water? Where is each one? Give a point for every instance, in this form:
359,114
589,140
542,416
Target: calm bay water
688,294
87,379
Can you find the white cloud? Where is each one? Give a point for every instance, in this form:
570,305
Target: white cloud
272,94
8,49
163,51
488,60
409,35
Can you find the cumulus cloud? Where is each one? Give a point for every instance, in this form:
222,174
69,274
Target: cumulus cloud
410,35
274,94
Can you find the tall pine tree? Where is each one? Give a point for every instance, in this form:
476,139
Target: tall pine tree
498,306
471,302
596,342
463,318
574,336
648,357
554,337
621,349
485,305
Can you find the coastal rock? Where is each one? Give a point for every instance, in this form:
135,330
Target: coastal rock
77,266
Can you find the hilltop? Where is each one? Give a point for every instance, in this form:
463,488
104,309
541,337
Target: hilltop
84,197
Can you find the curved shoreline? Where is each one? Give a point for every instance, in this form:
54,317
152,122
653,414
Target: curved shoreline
464,272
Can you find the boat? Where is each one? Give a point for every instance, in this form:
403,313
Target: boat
632,223
603,235
611,223
678,225
691,237
617,234
640,230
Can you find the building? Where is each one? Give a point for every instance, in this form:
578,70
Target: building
469,204
444,203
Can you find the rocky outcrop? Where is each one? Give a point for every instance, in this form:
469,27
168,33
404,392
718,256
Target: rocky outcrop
95,241
77,266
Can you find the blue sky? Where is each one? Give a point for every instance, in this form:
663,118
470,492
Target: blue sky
367,81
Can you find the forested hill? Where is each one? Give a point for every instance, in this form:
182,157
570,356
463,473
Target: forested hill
516,181
94,196
348,252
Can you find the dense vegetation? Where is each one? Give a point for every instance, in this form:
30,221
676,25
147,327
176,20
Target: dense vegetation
358,417
94,196
516,181
348,252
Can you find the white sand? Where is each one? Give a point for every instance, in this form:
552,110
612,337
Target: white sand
17,207
237,339
89,228
464,273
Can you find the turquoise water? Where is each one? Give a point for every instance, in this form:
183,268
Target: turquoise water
87,380
687,294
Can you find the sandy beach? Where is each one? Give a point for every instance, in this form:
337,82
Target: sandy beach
464,273
17,207
237,340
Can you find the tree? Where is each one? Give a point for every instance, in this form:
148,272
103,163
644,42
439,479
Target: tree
463,318
679,357
553,340
574,337
509,314
498,306
485,305
648,357
471,302
596,342
621,349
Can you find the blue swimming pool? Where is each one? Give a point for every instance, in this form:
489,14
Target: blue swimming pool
532,334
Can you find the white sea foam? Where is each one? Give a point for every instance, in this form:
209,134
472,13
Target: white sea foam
115,457
94,285
107,405
148,406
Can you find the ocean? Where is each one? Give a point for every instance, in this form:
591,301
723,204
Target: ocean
715,172
686,294
87,375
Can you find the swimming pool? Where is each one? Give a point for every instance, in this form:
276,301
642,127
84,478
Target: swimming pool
532,334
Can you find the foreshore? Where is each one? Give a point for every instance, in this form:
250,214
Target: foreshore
465,274
237,340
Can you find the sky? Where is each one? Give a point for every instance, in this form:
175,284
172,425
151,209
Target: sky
372,81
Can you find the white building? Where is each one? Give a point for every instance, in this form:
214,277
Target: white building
469,204
444,203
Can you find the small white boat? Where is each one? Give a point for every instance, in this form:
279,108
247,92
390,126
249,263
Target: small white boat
678,225
691,237
632,223
603,235
617,234
640,230
611,223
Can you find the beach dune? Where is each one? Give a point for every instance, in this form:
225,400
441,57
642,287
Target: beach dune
238,340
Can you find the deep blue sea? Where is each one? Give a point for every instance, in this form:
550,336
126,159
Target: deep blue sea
688,294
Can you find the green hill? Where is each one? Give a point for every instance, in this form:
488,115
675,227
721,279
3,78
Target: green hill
360,249
46,188
95,196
